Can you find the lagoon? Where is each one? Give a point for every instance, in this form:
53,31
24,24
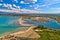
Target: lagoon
9,24
53,24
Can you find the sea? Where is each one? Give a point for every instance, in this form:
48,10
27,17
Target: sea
10,24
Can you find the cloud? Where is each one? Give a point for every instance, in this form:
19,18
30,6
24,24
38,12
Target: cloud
49,2
10,6
54,10
45,8
27,11
49,9
28,1
22,2
1,0
46,3
37,8
7,5
35,0
10,11
16,1
0,4
14,5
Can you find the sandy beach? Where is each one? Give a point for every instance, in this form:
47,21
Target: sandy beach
29,33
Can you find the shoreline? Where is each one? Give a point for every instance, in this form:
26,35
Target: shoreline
23,33
21,21
30,31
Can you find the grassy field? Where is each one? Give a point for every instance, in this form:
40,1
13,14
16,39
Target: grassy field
48,34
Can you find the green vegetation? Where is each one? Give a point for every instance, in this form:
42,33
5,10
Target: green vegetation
45,33
53,16
48,34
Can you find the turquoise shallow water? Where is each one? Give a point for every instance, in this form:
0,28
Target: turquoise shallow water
53,24
9,23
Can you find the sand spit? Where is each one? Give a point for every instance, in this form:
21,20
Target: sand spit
21,21
29,33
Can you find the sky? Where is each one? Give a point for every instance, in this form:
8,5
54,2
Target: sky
30,6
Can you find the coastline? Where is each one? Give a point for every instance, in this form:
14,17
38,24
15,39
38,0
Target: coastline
30,31
13,31
21,21
24,32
